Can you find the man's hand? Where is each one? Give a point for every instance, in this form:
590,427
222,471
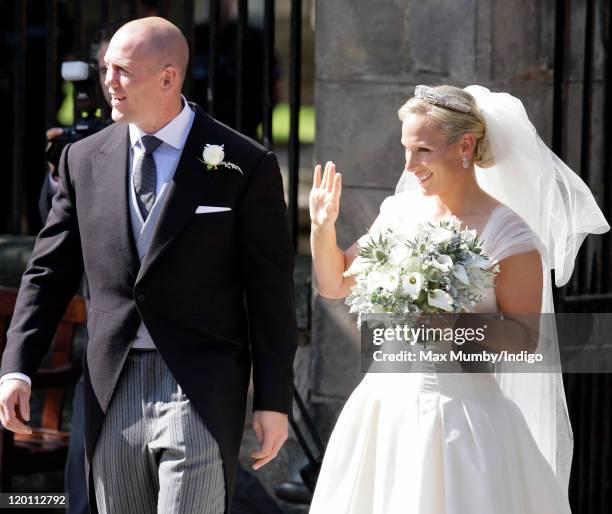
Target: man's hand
271,429
15,405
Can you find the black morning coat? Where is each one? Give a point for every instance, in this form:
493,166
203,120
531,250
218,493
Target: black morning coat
214,290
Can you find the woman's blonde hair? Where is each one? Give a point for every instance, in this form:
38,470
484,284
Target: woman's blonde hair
453,123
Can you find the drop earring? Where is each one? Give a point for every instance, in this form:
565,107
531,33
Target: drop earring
466,162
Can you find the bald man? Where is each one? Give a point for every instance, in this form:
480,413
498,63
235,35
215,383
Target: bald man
189,264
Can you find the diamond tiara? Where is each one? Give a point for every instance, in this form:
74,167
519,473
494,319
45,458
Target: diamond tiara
443,100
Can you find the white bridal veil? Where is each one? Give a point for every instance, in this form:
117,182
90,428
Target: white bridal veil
559,207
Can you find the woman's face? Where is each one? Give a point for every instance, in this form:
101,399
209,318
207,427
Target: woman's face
102,70
436,164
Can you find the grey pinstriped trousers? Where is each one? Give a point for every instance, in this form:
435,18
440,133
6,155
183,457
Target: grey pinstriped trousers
154,453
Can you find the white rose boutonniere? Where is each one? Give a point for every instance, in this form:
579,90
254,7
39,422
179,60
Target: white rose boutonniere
213,156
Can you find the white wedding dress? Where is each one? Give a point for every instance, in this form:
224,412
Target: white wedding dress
438,443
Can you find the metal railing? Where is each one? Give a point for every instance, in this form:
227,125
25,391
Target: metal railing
26,164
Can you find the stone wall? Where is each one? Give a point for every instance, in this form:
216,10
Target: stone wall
369,57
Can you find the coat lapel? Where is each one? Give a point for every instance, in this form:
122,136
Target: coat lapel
111,179
184,192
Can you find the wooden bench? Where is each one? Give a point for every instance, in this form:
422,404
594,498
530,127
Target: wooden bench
46,447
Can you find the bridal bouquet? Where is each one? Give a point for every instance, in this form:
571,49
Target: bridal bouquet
437,268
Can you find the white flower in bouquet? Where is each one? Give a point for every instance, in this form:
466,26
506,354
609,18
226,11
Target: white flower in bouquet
412,284
443,263
441,300
440,235
379,280
399,254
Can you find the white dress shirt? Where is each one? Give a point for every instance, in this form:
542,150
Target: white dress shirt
166,156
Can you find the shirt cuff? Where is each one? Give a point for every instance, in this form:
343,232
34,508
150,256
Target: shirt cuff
15,376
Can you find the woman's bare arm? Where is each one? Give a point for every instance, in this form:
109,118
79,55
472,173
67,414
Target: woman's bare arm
518,288
329,260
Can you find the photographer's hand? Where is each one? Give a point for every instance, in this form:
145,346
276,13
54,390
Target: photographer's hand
52,133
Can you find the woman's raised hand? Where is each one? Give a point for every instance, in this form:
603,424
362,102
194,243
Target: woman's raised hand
325,196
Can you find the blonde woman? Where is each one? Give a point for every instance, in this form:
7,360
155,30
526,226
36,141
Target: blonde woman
459,443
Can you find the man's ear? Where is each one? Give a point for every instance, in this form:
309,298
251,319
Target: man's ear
169,77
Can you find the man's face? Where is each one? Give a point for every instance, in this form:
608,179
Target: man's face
133,80
102,70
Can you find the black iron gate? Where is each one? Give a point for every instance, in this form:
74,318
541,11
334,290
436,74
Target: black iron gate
583,77
232,74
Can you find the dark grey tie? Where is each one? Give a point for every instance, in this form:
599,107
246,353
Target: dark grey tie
145,175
